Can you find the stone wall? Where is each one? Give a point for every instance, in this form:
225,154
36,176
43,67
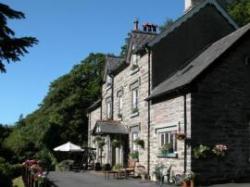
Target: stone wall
221,115
123,81
169,114
93,116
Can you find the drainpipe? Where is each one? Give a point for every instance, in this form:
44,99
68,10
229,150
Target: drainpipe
112,97
149,102
185,131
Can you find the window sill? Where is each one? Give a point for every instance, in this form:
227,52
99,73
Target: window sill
134,114
168,155
134,71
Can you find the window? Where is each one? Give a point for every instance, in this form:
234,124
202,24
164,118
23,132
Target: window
168,137
135,100
108,109
120,104
135,135
109,81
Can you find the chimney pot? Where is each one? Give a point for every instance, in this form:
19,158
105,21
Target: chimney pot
136,25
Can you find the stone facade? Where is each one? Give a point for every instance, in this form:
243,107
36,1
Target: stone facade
125,81
166,116
214,110
220,112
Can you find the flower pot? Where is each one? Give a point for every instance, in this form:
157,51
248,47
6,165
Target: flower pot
188,183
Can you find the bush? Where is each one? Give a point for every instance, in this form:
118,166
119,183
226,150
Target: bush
5,180
65,165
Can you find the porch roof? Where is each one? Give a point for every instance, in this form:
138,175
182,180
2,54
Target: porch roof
109,127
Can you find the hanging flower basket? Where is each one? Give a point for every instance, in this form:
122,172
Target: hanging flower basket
180,136
116,143
139,142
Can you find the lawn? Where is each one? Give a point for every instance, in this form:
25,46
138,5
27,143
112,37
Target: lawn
18,182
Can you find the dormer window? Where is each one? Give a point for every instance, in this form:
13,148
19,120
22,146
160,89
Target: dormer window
109,81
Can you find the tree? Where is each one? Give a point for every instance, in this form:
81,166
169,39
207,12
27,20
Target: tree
61,116
11,47
166,24
240,11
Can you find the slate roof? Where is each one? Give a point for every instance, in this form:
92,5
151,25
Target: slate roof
111,64
190,14
186,75
109,127
95,105
139,39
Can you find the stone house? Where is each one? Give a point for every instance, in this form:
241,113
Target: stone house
193,80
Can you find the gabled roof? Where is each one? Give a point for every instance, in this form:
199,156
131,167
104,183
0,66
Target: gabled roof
139,39
95,105
111,64
192,70
190,14
109,127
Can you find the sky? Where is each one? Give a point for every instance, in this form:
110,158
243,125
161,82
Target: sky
68,30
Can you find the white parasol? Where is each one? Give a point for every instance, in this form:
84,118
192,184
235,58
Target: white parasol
68,147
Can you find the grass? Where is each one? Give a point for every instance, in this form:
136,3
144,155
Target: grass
18,182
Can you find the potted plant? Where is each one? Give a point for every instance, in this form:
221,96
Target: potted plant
188,179
119,115
134,155
139,142
201,151
158,171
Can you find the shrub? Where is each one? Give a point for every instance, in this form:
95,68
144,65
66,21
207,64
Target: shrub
134,155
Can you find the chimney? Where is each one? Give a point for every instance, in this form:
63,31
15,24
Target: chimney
189,4
136,25
149,27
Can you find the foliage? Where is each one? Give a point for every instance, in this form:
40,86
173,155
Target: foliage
18,182
12,47
134,155
201,151
124,48
116,143
139,142
65,165
117,167
166,148
240,11
100,142
220,150
166,24
61,116
8,172
158,170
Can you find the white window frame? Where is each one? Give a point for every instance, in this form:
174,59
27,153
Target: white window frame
135,98
109,109
167,136
120,104
134,136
